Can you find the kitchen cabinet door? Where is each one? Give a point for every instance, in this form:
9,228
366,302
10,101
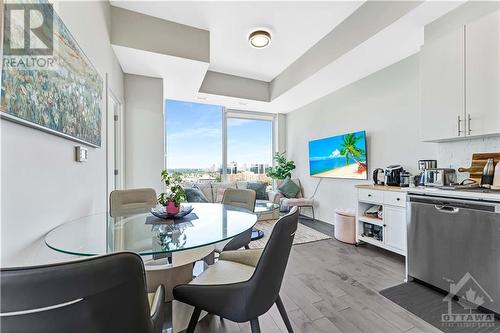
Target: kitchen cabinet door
442,93
482,65
395,227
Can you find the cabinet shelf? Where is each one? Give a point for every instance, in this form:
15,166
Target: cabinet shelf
371,240
371,220
391,227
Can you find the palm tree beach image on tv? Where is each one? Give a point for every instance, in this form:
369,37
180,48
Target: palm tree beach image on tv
342,156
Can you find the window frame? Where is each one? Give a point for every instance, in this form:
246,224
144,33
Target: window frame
226,115
251,115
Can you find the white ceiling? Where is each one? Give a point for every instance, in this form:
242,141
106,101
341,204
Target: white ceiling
183,77
295,27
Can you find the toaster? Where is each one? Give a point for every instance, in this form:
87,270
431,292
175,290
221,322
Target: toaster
439,177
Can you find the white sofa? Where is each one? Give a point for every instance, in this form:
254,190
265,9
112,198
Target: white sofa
215,191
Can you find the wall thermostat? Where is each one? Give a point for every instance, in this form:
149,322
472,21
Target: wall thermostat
82,153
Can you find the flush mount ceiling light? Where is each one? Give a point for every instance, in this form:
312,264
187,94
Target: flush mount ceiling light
259,39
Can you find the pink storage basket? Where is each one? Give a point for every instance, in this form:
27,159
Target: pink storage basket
345,230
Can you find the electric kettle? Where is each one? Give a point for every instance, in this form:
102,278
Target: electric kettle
378,176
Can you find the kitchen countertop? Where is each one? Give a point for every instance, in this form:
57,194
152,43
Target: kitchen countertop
381,188
495,196
432,191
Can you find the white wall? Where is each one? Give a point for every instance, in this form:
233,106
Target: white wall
41,184
458,154
144,132
385,104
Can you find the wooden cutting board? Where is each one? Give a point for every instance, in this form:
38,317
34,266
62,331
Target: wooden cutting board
478,163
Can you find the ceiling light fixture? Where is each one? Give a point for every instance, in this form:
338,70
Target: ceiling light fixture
259,38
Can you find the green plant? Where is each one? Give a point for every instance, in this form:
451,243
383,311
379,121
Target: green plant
349,149
175,192
282,169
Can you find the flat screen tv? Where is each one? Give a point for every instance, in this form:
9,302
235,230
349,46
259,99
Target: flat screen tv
341,156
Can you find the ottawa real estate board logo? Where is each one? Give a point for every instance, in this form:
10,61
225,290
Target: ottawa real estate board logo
28,36
464,312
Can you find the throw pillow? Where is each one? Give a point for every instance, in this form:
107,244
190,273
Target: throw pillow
194,194
259,188
220,194
289,189
241,184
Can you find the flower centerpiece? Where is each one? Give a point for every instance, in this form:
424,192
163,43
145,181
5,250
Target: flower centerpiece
174,194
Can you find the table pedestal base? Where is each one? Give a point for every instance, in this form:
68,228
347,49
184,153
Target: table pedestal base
169,277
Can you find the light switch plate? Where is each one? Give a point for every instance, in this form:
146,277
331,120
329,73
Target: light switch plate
82,153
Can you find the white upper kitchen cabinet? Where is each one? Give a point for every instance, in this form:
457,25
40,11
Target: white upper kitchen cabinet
442,100
482,75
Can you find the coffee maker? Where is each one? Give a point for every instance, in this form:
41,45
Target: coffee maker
393,175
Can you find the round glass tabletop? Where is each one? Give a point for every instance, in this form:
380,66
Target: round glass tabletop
146,234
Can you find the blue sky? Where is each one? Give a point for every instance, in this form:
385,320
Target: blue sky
194,137
329,147
249,141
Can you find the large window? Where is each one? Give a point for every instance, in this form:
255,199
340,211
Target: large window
249,149
194,140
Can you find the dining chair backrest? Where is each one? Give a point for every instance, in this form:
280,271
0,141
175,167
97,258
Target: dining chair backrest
242,198
265,283
132,201
100,295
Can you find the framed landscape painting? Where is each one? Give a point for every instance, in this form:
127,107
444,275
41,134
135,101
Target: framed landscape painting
57,90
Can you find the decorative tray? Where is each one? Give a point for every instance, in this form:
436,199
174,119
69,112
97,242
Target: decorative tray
160,212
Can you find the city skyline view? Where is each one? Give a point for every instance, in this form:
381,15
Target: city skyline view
194,138
194,135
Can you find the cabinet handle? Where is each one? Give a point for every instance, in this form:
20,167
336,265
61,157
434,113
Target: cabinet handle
385,225
468,123
398,199
458,126
369,195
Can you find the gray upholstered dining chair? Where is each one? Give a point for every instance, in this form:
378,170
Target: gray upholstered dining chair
243,285
242,198
102,294
132,201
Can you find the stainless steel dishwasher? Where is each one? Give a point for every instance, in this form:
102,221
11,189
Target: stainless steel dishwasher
449,237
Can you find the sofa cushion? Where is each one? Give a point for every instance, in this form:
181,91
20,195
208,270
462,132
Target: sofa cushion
218,190
241,184
194,194
259,188
219,194
206,188
300,202
289,189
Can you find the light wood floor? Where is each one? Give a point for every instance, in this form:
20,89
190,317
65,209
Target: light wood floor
333,287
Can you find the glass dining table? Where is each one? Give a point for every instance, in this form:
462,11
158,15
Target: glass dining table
169,248
147,235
